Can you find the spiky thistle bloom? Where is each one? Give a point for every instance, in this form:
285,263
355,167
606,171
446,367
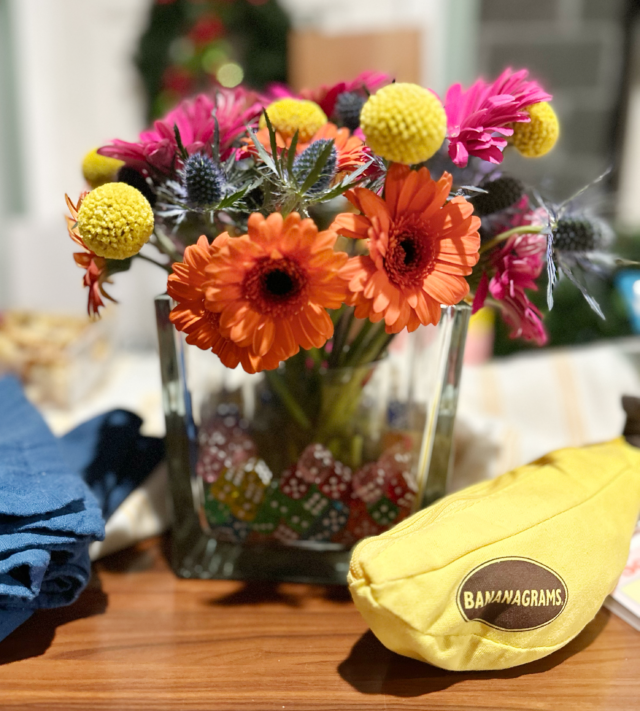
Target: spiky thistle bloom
404,123
203,180
421,247
501,193
480,119
96,272
98,170
348,109
351,151
575,248
115,221
305,162
272,286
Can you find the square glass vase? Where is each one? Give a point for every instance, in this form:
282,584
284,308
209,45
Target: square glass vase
262,489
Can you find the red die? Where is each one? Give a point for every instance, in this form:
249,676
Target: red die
369,482
360,524
292,484
223,444
333,478
400,481
284,534
315,463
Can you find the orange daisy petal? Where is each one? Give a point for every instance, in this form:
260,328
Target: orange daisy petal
420,248
273,285
191,316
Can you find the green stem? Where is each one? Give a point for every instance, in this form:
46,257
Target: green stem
281,389
358,343
339,402
166,267
377,345
340,336
164,245
523,230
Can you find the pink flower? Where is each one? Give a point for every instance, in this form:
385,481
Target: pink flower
478,119
515,267
157,147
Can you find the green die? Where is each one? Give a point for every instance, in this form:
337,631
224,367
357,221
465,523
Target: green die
270,511
384,512
215,511
307,510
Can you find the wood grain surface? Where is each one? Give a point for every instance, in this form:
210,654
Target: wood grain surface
139,638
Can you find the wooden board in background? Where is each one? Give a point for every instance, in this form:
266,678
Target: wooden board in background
316,59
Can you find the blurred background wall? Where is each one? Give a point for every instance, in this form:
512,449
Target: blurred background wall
68,83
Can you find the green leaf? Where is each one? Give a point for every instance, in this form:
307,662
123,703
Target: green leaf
353,177
114,266
264,156
216,139
347,183
181,149
291,155
313,176
274,143
230,199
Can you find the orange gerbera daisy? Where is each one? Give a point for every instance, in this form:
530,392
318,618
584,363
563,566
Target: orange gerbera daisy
202,326
350,149
273,285
96,274
420,249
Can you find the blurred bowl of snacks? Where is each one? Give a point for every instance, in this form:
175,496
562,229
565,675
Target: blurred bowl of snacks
59,358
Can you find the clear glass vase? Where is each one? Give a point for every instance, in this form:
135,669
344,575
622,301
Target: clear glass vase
277,475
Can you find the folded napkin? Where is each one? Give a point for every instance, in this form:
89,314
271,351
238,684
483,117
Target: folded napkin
112,456
48,515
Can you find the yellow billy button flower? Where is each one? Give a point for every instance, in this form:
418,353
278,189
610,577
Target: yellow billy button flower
115,221
290,115
539,136
404,123
98,170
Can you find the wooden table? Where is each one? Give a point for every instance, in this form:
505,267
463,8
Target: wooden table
139,638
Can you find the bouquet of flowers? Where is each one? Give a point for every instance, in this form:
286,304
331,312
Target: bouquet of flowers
302,233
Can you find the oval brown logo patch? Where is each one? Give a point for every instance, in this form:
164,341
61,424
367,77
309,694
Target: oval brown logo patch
512,594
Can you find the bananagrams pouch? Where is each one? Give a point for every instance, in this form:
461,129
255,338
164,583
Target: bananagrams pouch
507,571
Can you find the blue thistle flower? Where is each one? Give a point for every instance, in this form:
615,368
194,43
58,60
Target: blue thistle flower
306,162
203,180
348,107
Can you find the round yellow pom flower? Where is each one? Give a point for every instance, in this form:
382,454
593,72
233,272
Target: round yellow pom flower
404,123
98,170
115,221
290,115
539,136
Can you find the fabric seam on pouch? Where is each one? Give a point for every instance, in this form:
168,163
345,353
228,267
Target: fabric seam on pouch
473,634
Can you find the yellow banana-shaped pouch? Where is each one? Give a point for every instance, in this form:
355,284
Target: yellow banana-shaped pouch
507,571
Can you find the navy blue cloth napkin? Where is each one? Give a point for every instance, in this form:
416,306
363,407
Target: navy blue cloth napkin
54,495
112,456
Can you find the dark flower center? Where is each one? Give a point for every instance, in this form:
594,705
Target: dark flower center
276,286
410,252
278,283
410,255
